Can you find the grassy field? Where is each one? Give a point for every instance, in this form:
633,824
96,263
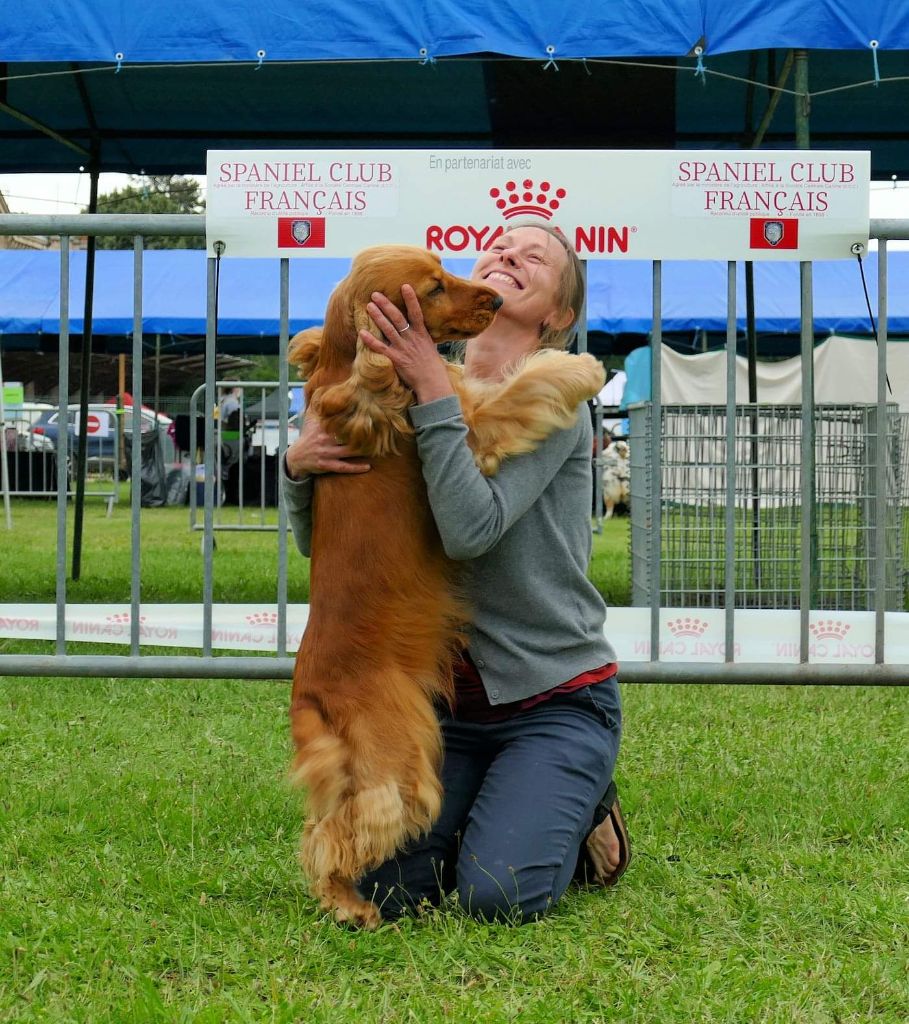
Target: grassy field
171,560
768,560
147,872
148,834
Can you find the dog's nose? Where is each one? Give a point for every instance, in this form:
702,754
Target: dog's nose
496,302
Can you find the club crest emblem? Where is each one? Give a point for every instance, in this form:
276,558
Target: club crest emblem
302,229
773,232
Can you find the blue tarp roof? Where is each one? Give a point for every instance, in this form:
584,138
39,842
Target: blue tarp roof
348,73
288,30
619,294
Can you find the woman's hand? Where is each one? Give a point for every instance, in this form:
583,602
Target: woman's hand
314,451
408,345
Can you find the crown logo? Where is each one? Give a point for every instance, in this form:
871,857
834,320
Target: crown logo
518,199
121,618
829,629
263,619
687,627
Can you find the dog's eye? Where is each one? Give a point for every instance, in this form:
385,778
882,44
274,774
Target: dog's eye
439,288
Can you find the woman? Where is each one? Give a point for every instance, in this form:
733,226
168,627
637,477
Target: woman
532,740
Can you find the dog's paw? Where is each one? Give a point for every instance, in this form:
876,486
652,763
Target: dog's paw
364,915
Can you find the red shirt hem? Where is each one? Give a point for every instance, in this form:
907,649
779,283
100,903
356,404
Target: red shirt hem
472,704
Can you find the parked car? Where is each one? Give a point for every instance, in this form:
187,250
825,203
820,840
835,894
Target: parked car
102,429
20,418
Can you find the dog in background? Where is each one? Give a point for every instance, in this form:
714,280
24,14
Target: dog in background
385,613
616,477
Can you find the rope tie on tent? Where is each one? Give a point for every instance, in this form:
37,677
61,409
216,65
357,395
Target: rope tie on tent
700,71
877,71
857,250
587,69
550,50
261,55
118,57
424,53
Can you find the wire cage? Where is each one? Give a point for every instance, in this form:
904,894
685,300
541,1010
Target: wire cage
767,511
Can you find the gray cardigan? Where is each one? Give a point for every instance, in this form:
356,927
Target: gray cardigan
525,536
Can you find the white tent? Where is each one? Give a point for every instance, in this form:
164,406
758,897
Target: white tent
845,371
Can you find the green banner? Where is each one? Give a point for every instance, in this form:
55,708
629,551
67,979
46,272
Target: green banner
13,393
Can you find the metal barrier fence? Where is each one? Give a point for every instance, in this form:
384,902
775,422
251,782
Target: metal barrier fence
246,456
30,441
656,669
766,525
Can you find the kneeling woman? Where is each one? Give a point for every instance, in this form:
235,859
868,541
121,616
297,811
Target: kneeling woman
531,743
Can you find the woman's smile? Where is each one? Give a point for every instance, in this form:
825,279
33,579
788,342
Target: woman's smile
503,277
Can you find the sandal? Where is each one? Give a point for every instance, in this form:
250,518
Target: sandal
592,866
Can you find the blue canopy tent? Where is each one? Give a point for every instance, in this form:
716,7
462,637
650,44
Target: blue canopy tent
131,87
118,85
619,301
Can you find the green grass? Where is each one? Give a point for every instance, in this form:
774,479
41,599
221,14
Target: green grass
768,560
245,564
147,872
171,567
147,844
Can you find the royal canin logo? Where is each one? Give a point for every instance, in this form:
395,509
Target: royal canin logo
687,627
263,619
526,199
829,629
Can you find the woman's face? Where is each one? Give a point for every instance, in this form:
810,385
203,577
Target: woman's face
525,267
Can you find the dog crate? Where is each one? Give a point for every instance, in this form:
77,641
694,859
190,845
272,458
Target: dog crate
767,518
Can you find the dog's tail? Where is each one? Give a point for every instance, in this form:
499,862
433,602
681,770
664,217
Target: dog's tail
364,800
542,395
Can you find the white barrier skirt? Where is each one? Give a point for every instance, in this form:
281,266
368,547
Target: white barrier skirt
686,635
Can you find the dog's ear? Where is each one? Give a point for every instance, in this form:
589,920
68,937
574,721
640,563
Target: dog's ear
368,410
303,351
363,321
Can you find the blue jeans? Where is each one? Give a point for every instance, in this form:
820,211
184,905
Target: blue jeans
519,801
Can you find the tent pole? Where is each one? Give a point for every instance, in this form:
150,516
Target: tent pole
751,327
802,101
773,102
809,489
81,454
751,343
40,126
121,407
4,464
157,373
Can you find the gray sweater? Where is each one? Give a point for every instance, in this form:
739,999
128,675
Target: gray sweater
524,535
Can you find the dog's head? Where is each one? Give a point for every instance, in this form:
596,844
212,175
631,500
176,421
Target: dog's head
453,308
618,449
356,392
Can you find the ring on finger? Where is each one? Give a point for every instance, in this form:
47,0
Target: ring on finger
406,327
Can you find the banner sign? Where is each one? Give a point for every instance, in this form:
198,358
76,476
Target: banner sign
611,204
13,394
691,635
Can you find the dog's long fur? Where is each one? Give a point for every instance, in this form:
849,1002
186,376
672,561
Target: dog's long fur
385,614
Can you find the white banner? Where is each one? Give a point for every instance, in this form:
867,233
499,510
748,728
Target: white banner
611,204
686,635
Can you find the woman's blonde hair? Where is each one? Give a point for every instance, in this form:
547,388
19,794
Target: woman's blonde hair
572,289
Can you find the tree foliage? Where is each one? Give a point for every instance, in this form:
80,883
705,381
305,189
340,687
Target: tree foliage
154,193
